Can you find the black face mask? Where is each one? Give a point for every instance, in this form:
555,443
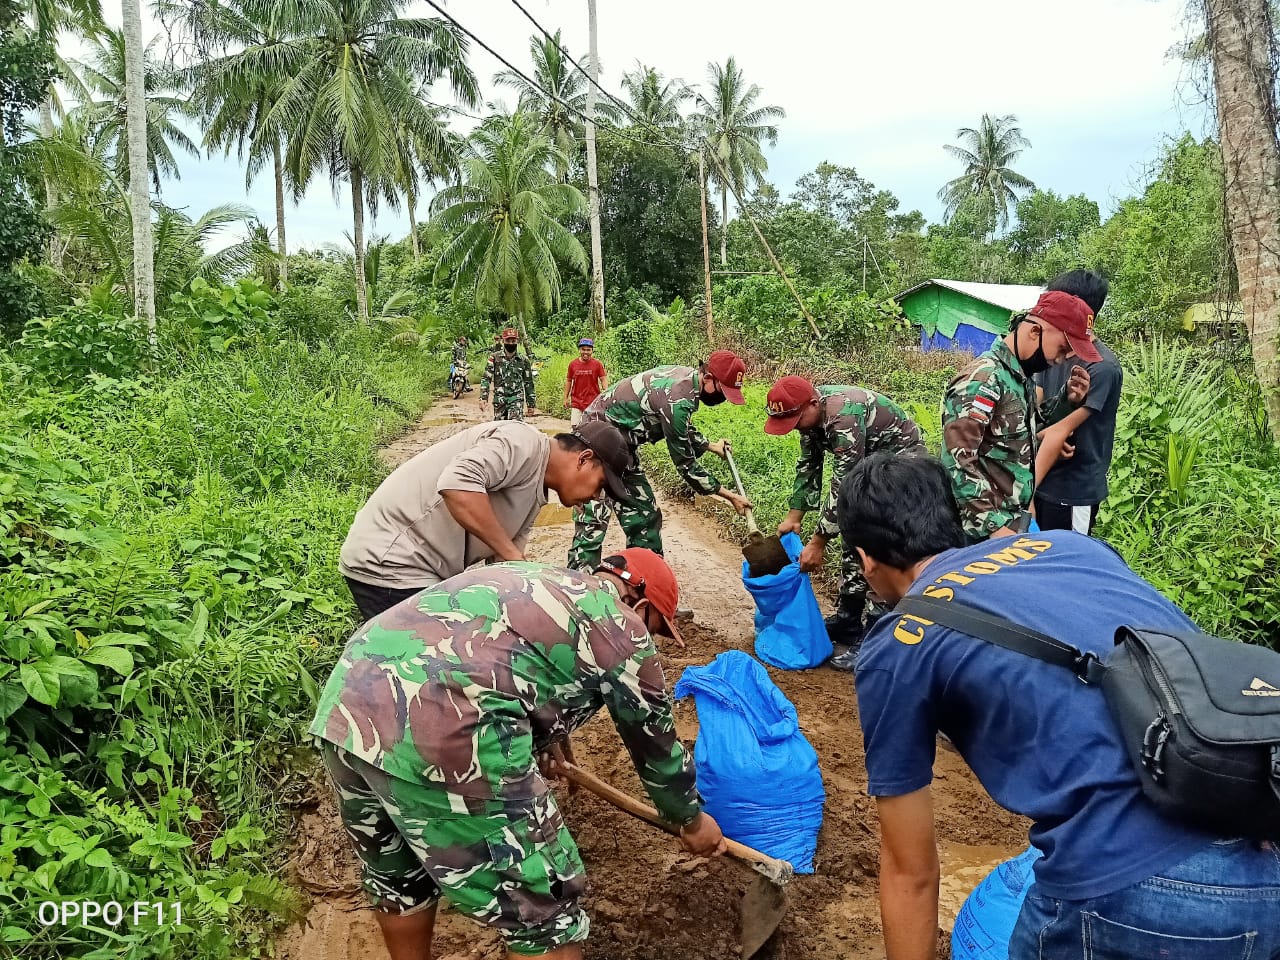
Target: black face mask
1036,363
712,399
510,347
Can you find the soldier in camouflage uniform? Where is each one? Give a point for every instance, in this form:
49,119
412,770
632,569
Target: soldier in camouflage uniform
652,406
459,349
989,419
438,712
512,378
850,423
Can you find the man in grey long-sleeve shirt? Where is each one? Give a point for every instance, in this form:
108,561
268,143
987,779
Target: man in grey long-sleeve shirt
468,499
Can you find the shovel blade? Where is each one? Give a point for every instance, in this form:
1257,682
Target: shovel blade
765,556
762,908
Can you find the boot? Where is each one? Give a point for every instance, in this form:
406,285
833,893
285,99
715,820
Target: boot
845,629
846,659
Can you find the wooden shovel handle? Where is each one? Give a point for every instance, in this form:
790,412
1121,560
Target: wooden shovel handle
752,528
646,813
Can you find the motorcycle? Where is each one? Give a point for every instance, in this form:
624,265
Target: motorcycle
458,378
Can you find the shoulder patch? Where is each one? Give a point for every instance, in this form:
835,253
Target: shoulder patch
980,408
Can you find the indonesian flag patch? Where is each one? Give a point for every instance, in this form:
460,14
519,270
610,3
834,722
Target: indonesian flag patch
981,408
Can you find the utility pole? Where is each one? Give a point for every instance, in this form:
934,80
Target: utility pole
593,180
706,244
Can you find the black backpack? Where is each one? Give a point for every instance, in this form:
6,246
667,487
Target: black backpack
1199,716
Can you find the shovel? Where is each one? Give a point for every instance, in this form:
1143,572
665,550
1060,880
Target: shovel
765,556
765,902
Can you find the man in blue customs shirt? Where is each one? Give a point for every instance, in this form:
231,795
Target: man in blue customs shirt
1118,879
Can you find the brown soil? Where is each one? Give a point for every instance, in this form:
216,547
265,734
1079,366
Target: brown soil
648,900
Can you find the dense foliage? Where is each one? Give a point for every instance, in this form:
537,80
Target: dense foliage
168,533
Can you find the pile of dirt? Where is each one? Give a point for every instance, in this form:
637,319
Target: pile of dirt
647,899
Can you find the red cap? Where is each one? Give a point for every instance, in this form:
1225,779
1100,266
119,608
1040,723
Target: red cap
1073,317
652,576
787,399
728,368
510,334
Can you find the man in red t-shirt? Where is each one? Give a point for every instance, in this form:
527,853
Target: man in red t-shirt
586,380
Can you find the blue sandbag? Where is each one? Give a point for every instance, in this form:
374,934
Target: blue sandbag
985,923
789,630
756,771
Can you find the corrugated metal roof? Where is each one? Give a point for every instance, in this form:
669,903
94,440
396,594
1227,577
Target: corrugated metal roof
1010,296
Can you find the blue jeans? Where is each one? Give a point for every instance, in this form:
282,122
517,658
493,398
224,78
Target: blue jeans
1222,903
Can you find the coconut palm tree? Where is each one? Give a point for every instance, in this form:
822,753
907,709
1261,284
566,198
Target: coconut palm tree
47,19
352,70
419,158
988,180
558,99
103,75
654,100
734,126
233,101
506,220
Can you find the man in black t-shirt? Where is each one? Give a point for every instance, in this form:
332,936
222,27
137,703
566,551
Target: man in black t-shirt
1071,485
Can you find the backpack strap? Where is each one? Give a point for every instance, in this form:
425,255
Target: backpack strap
1004,633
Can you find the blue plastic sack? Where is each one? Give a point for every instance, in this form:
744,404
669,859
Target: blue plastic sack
789,630
756,771
985,922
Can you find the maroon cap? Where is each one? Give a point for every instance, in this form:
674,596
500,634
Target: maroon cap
1073,317
728,368
787,399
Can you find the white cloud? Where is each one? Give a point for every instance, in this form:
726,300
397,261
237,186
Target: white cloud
877,86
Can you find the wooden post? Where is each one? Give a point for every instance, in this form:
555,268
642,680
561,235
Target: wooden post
742,209
706,243
593,182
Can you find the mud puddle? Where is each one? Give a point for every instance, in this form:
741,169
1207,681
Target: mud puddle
964,866
646,898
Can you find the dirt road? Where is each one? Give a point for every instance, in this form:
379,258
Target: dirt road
647,899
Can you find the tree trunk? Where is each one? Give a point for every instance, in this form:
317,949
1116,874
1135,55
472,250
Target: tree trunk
706,245
1240,41
724,226
50,191
280,244
144,293
413,224
593,181
357,217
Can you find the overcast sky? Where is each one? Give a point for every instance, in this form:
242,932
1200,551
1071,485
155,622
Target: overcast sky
880,87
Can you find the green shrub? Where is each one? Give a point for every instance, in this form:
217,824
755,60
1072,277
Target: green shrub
89,337
1194,506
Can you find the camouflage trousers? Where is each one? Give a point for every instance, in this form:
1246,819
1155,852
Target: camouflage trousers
509,864
508,411
638,515
853,585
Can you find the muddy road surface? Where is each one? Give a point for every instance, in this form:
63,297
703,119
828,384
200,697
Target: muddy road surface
648,900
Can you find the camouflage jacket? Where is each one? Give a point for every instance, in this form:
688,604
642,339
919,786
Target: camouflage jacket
511,375
459,352
989,442
659,405
855,422
462,687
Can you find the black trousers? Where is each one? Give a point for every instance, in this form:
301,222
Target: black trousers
373,600
1051,515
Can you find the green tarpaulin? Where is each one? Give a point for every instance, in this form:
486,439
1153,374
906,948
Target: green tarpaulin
939,310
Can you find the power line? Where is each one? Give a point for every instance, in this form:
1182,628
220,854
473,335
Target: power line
535,86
